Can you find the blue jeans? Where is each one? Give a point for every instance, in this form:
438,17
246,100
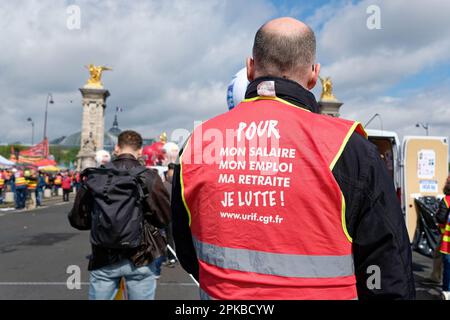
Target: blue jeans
446,276
140,281
158,262
21,197
39,194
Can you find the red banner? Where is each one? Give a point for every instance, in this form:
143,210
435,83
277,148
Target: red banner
35,153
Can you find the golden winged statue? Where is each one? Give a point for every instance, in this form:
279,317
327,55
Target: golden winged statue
95,72
163,137
327,88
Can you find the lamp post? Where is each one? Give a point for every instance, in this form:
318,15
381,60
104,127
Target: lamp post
32,130
426,126
373,117
49,100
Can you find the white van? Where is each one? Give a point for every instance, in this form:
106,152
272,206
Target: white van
389,147
418,167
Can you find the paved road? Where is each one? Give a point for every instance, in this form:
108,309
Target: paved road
36,247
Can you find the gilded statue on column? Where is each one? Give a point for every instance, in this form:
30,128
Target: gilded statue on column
95,73
327,88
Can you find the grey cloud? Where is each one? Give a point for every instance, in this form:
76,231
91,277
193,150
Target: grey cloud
166,55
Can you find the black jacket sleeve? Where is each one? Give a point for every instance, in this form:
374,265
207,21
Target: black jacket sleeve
376,223
157,203
80,215
181,230
442,213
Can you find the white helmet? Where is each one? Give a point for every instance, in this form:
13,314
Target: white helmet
236,88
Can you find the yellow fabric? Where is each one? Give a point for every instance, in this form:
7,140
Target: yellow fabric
344,143
333,163
182,184
32,184
20,181
344,222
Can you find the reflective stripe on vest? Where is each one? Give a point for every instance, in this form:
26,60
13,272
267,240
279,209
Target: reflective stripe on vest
32,184
292,246
20,181
445,242
285,265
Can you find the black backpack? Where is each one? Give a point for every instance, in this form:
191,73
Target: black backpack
117,213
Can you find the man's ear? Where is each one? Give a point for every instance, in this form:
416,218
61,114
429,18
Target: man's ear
250,64
116,149
139,153
314,75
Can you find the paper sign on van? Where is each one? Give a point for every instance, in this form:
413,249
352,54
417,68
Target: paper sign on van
426,164
429,186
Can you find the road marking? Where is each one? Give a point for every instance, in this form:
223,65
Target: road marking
38,283
183,284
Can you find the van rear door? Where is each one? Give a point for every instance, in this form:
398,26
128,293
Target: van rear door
425,172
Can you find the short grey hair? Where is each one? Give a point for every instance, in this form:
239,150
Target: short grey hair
278,53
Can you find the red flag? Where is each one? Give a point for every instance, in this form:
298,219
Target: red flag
35,153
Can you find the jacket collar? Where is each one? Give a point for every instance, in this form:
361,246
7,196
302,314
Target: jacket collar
287,90
128,156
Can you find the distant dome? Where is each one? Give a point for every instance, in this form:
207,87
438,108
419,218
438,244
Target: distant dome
115,130
109,138
74,140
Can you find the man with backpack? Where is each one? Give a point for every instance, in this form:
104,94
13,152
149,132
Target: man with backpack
123,204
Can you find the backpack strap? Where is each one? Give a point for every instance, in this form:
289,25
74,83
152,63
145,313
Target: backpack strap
138,173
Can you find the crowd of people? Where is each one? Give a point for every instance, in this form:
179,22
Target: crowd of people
28,185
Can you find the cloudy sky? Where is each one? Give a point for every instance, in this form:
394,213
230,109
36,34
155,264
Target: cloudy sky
172,60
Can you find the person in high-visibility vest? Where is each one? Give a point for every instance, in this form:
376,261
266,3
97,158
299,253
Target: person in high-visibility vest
32,182
20,187
2,185
443,218
57,182
272,200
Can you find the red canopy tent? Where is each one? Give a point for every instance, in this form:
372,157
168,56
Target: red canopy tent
45,163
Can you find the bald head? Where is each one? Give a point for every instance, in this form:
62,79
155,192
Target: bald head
284,47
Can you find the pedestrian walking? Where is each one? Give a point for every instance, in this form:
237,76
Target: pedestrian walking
66,184
2,185
41,184
20,189
123,204
32,182
295,205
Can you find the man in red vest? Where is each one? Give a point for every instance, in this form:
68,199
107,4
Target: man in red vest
274,201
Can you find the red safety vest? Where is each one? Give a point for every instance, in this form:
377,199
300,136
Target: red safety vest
445,241
276,229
